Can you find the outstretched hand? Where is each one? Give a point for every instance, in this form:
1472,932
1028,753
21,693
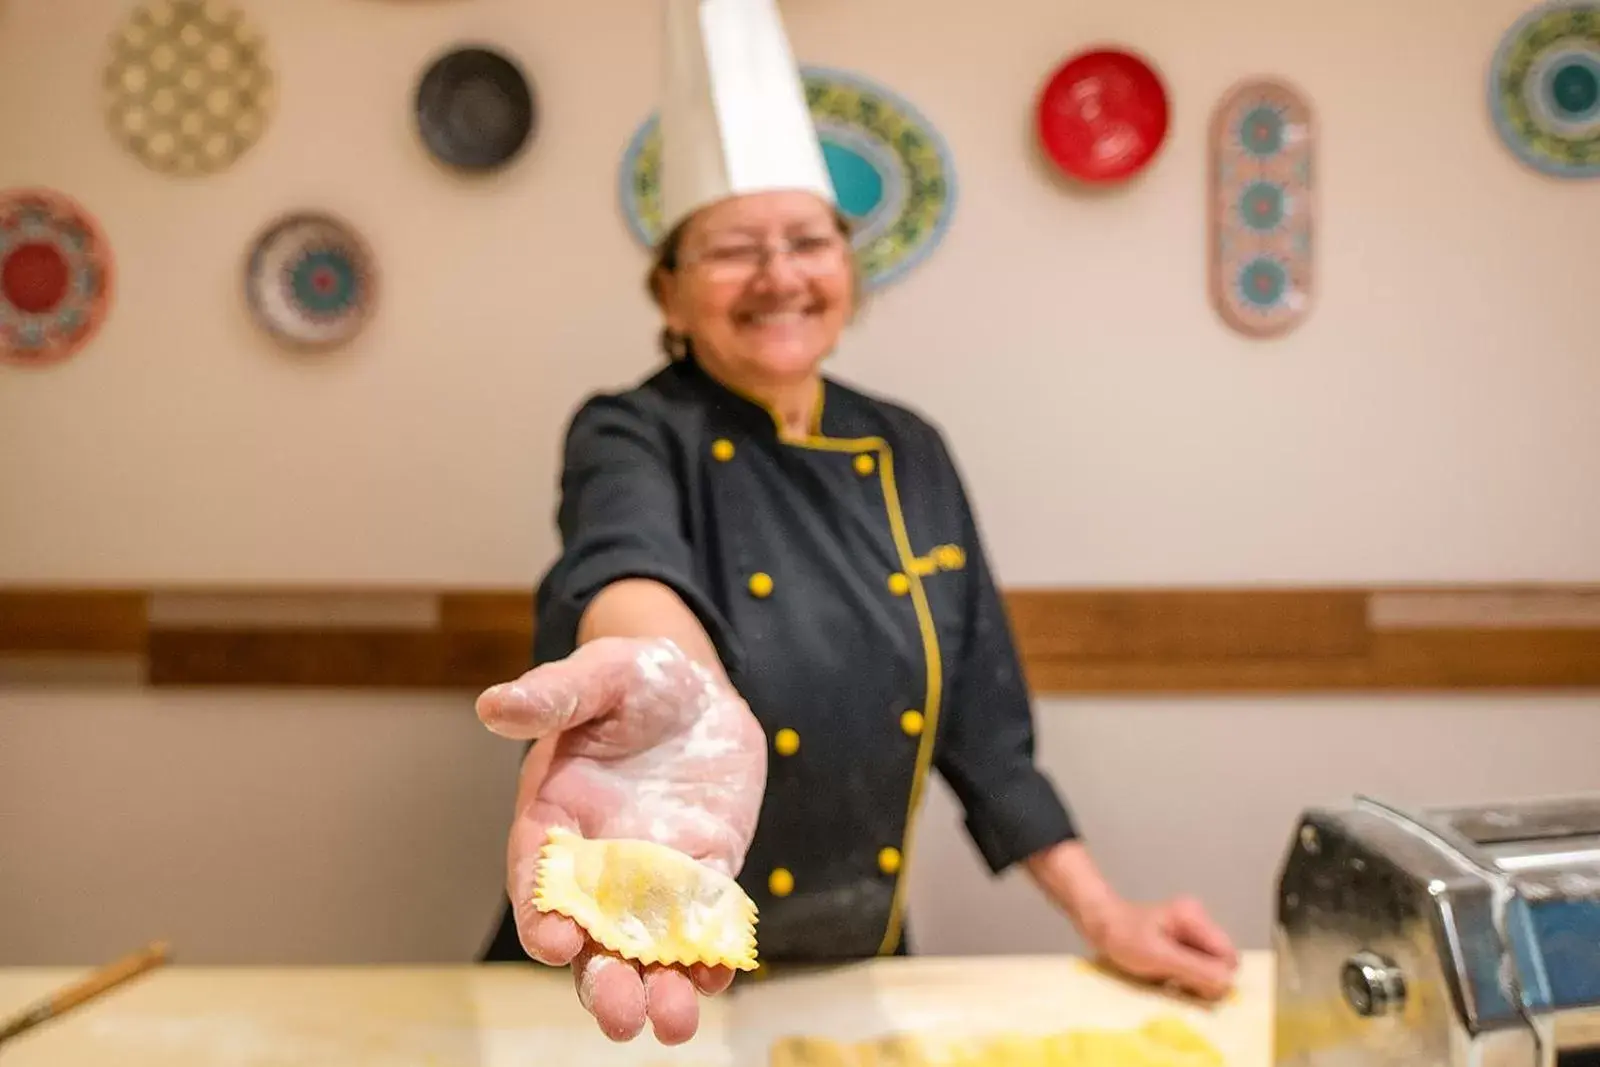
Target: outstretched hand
637,741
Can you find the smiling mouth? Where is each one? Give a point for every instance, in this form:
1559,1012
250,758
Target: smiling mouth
779,319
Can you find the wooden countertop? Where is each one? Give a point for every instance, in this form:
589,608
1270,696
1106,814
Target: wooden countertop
488,1016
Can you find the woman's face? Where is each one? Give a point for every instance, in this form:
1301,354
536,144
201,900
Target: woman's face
763,286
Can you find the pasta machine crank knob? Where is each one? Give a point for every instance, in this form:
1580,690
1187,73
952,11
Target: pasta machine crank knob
1373,985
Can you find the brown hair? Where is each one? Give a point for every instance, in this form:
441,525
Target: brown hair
675,346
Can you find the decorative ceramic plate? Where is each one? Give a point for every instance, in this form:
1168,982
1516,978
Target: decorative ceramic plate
1544,89
475,109
55,276
1261,210
1102,116
892,173
310,281
188,90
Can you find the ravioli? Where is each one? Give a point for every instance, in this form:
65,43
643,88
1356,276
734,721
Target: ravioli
811,1052
1163,1042
647,902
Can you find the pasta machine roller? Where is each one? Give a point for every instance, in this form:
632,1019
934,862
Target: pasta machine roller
1440,937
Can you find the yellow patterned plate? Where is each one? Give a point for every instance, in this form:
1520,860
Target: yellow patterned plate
188,89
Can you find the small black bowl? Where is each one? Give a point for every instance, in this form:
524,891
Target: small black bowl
475,109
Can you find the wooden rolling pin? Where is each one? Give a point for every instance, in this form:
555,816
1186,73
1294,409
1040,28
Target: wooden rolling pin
100,981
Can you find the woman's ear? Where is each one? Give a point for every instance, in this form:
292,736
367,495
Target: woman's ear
667,289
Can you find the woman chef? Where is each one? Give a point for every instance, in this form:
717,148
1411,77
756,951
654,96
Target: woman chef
772,595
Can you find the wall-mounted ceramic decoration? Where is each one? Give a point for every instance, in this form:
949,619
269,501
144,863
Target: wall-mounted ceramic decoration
1102,115
1262,214
55,276
188,89
475,109
310,281
892,172
1544,89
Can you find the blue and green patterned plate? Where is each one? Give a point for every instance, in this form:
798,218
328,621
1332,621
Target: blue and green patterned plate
310,281
892,172
1544,89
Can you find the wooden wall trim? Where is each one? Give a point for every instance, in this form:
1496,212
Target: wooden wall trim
1072,641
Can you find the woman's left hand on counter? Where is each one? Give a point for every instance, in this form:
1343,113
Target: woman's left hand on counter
1174,942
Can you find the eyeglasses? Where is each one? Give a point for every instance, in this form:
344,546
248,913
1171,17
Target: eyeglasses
810,254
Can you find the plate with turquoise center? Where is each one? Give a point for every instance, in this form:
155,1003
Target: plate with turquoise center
1544,89
892,173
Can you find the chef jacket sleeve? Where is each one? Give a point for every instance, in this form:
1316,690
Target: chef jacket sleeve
986,738
621,515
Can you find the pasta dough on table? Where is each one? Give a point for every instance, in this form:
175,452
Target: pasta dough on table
1162,1042
647,902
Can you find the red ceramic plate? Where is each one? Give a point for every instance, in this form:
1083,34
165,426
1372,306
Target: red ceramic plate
1102,115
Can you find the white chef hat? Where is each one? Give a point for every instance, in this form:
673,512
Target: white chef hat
734,117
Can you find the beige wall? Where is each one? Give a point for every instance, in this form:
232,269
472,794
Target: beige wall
1434,419
324,827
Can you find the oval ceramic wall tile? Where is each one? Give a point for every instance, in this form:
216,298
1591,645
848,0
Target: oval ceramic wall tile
55,276
1544,89
1262,210
893,173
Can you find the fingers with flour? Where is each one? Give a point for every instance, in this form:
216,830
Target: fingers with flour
548,938
612,990
620,995
711,980
623,997
560,695
672,1004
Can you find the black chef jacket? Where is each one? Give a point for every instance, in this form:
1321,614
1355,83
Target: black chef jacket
842,580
